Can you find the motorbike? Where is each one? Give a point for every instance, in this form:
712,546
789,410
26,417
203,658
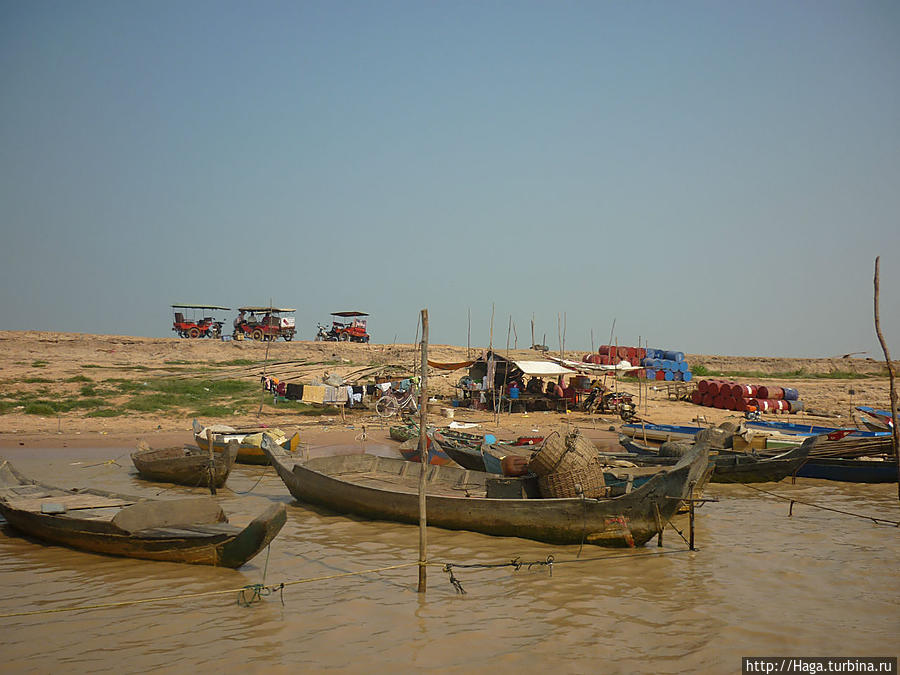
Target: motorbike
618,402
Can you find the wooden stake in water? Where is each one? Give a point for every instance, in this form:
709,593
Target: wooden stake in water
423,454
209,439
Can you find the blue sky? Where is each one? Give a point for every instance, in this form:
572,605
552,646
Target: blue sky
716,177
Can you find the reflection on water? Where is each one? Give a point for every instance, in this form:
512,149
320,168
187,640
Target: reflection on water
817,583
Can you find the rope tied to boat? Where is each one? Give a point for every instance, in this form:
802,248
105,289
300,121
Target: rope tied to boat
448,569
793,500
255,592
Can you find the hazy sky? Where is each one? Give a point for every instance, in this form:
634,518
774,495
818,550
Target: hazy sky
715,176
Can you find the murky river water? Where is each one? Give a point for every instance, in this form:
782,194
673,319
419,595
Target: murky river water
815,584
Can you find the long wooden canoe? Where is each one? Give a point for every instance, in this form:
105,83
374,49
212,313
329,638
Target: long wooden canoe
185,465
191,530
386,489
734,467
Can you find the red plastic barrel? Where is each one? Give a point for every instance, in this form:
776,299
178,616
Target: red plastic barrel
660,375
622,352
604,350
703,386
782,406
696,397
770,392
713,388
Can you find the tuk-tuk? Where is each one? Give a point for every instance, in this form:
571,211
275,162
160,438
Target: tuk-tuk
343,330
265,323
201,323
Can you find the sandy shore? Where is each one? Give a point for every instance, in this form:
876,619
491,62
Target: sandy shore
57,364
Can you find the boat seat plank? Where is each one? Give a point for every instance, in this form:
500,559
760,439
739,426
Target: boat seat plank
177,533
71,502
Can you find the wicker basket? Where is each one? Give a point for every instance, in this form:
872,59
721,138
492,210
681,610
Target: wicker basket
566,483
563,453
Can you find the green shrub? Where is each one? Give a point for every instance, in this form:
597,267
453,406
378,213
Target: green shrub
106,412
79,378
35,408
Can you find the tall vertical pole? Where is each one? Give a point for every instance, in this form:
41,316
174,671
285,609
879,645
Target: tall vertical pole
469,334
423,453
212,460
895,431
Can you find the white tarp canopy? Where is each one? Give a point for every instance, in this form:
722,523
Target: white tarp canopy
543,368
621,367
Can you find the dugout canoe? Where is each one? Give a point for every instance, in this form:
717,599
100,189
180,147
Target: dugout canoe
193,530
185,465
380,488
735,467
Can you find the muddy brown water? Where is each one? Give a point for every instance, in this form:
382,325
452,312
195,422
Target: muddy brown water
762,583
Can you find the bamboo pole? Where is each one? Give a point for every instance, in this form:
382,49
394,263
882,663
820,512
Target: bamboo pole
895,431
469,335
532,330
423,454
491,342
209,439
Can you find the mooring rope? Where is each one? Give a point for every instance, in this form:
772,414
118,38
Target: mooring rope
793,501
251,593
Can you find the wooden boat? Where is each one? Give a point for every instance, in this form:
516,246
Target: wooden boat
403,432
409,450
876,420
735,467
851,470
185,465
193,530
387,489
249,450
745,468
660,432
792,429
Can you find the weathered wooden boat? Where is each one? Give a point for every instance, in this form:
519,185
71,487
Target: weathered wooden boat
736,467
193,530
660,432
387,489
876,420
733,467
185,465
249,450
483,457
409,450
403,432
793,429
851,470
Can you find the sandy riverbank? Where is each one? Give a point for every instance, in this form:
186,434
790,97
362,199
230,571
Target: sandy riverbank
58,364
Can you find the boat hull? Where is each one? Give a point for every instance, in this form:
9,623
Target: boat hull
629,520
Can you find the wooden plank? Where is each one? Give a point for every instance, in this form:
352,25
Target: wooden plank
71,502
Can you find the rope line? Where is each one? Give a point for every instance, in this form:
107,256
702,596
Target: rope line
251,593
793,501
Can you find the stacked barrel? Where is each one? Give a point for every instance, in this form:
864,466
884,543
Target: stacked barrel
728,395
667,365
612,355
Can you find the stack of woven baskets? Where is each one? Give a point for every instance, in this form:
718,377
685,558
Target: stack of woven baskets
568,466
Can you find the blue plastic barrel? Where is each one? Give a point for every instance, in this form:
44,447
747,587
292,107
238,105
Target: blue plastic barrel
683,366
651,374
687,376
652,353
791,395
670,376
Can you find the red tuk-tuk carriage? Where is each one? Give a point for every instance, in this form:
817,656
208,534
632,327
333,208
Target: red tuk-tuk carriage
194,327
265,323
344,331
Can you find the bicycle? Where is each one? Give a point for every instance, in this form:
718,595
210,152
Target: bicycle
393,402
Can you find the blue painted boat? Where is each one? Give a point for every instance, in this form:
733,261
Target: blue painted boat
876,420
660,432
850,470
